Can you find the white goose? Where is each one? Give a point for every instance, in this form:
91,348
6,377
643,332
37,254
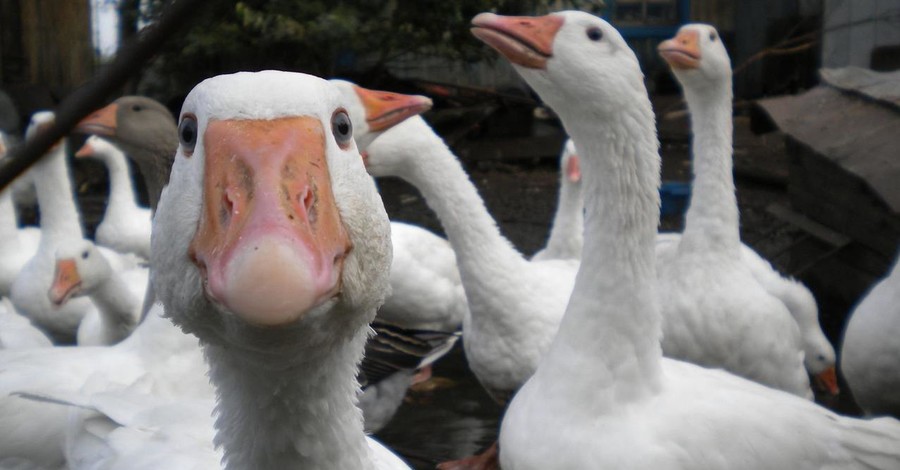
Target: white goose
268,186
716,313
870,350
566,234
60,225
426,290
17,245
515,304
126,225
82,270
604,397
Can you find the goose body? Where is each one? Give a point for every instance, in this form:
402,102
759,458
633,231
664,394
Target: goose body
82,270
291,349
870,350
125,226
16,332
35,432
603,396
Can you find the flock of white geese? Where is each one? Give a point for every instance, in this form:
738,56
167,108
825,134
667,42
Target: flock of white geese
229,332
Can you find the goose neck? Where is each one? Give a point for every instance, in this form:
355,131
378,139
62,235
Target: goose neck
121,190
295,410
480,248
712,220
59,215
612,326
9,225
568,222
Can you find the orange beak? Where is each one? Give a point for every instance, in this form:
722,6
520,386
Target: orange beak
66,282
101,122
573,169
86,150
270,243
523,40
385,109
826,381
683,51
2,148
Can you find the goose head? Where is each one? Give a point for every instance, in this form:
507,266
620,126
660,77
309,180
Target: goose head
269,223
697,57
145,130
133,121
374,111
572,59
80,268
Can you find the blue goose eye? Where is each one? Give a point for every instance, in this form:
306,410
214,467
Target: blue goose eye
595,33
712,36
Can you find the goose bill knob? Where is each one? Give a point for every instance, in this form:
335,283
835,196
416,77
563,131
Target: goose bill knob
66,282
270,243
523,40
385,109
683,51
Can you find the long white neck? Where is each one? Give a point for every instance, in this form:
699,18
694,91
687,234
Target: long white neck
122,201
291,410
607,351
712,220
117,307
59,216
9,225
568,223
482,252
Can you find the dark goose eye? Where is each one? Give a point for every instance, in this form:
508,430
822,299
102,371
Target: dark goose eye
187,133
85,254
342,128
712,36
595,33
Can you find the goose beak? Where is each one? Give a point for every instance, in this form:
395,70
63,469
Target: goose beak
270,243
826,381
101,122
523,40
683,51
66,282
86,150
573,169
385,109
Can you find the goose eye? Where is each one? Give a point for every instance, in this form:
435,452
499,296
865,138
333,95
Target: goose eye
136,107
595,34
85,254
187,134
342,128
821,358
712,36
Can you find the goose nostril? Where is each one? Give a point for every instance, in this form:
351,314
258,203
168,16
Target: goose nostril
308,198
226,209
